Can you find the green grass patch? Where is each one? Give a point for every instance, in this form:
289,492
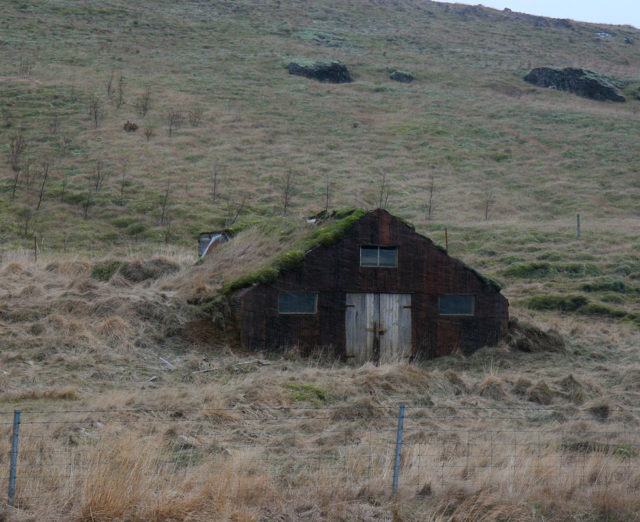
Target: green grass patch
307,393
103,271
609,285
541,269
564,303
579,304
325,235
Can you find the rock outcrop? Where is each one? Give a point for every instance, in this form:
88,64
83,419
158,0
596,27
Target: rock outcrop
581,82
332,71
401,76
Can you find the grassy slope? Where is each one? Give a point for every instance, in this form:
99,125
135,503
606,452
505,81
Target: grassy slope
468,120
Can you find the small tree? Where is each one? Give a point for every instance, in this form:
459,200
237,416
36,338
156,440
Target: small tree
164,202
64,185
174,121
109,84
488,201
195,116
214,182
17,149
25,214
87,203
143,102
383,196
120,92
287,188
123,180
234,210
431,189
327,194
95,111
43,182
26,67
99,175
63,146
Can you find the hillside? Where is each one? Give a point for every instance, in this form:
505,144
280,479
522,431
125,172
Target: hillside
468,120
106,344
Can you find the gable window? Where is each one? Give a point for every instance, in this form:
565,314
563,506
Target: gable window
379,256
456,304
297,302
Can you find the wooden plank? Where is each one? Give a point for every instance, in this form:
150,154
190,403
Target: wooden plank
357,319
395,318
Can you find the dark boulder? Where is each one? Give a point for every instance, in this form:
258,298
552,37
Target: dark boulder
629,41
577,81
332,71
401,76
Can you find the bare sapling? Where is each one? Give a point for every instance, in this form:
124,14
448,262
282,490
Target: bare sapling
174,121
327,194
65,179
488,201
25,67
214,182
234,210
166,229
195,116
87,202
383,196
431,190
123,181
43,182
148,132
95,111
120,92
17,149
55,123
14,186
63,146
99,175
143,103
287,188
164,202
109,84
26,215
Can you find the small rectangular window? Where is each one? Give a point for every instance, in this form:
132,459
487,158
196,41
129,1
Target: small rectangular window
456,304
297,302
379,256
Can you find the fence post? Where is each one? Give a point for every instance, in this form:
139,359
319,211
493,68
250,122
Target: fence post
396,469
14,456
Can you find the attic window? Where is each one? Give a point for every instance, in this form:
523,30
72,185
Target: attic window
297,302
379,256
457,305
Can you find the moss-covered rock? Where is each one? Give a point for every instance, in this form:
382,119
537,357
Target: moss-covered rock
401,76
581,82
333,71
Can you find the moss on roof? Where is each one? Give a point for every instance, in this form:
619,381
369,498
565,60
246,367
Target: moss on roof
333,231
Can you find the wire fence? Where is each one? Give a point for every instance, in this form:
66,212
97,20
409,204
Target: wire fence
420,448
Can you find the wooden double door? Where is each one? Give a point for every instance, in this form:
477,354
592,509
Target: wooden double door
378,327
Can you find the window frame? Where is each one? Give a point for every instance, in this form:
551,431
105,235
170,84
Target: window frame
315,303
379,247
473,305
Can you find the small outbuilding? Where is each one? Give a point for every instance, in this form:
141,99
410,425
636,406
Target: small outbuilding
378,291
